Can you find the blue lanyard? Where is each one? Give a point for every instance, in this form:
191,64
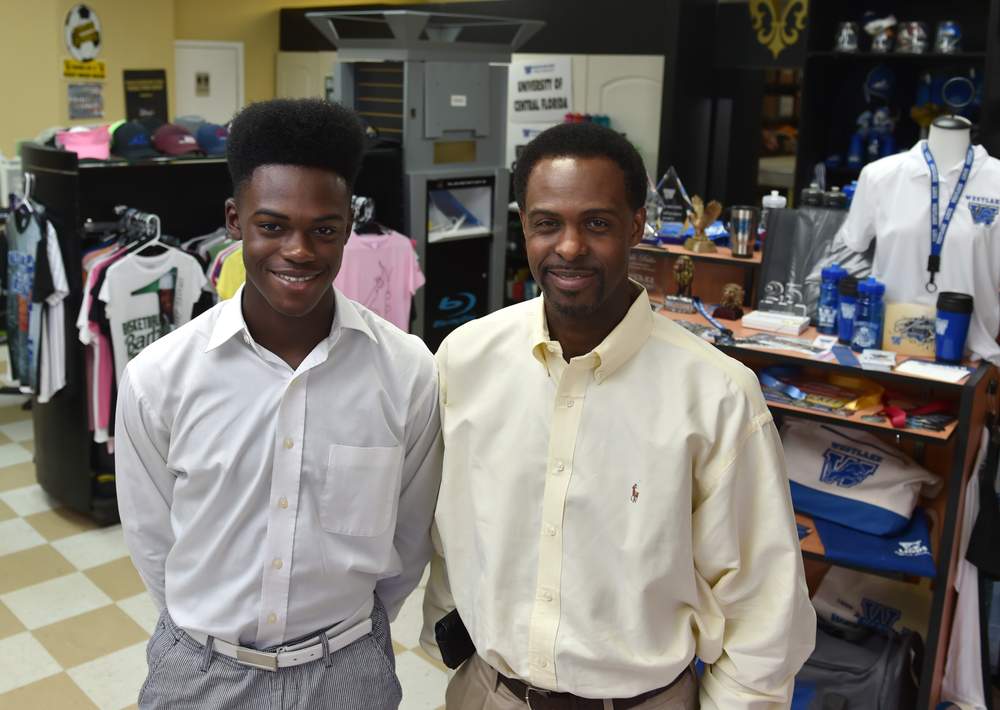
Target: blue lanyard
939,229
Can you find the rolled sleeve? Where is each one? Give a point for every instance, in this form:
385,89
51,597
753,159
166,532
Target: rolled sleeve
747,552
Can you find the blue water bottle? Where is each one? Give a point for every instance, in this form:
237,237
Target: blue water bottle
954,313
846,305
868,316
829,299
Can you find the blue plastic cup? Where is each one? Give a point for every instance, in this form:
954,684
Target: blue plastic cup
954,311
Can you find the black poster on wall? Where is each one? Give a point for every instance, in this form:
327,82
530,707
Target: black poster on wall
146,95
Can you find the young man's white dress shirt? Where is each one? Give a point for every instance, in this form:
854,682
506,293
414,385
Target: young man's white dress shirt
261,503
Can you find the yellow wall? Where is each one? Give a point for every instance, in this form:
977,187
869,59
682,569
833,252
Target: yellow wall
255,23
136,34
28,55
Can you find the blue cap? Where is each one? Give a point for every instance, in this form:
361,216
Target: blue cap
833,272
212,138
872,287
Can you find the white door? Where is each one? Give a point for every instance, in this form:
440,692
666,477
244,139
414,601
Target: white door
209,79
629,89
300,75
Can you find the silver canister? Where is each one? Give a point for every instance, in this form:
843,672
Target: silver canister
948,39
913,38
743,222
846,39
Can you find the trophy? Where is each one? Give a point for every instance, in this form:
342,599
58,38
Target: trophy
701,218
684,275
731,307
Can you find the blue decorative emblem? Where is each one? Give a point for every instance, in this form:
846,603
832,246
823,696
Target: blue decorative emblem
982,214
456,310
846,466
878,616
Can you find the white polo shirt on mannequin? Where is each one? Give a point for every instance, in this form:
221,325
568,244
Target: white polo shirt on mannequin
893,203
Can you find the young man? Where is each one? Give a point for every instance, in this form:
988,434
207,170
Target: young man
614,499
278,457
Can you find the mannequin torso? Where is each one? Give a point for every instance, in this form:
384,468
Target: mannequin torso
948,141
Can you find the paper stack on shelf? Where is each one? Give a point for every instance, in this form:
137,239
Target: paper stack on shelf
877,360
775,322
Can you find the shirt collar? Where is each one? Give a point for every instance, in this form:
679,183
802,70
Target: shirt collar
916,166
615,350
231,321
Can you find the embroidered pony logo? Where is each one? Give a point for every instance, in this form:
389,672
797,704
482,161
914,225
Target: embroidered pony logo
635,492
846,466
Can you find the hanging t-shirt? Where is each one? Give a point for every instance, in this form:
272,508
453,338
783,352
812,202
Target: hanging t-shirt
24,235
52,370
381,272
963,672
232,276
892,204
147,297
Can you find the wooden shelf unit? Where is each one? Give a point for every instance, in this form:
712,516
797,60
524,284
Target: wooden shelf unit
950,454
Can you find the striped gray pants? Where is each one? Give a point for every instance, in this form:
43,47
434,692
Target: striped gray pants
182,676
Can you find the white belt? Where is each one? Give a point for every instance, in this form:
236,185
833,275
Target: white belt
295,655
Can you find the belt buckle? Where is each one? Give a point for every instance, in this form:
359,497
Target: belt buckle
257,659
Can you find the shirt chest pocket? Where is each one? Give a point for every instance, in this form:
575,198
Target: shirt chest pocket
361,489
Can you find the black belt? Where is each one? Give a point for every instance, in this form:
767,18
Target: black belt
538,699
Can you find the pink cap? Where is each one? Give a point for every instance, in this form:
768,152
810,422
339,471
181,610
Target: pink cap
86,143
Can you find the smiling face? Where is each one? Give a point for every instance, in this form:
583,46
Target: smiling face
294,222
578,230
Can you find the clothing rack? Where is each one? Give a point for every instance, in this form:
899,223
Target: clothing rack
187,198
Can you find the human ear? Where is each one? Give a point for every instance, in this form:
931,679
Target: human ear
233,220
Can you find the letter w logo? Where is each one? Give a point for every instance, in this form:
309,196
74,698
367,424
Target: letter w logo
844,470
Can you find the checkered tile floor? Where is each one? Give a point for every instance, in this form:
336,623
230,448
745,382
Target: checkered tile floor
74,616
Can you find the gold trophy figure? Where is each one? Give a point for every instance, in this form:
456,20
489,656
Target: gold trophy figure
684,274
731,307
701,218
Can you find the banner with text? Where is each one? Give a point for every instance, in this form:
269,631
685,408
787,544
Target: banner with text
540,91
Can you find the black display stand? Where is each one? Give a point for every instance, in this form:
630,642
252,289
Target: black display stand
832,81
188,195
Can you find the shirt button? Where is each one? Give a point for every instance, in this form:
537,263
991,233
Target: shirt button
277,563
282,502
246,338
560,467
569,403
545,595
549,530
288,443
272,618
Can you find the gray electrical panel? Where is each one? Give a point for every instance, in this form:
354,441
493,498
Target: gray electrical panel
449,117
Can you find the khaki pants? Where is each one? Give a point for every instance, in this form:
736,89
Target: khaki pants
475,687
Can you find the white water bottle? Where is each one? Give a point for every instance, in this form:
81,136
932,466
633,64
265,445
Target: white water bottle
773,201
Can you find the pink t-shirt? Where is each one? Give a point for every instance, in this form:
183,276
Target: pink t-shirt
381,272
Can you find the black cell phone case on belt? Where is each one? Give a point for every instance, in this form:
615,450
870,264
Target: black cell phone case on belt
453,640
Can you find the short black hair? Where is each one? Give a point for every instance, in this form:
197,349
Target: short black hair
307,132
583,140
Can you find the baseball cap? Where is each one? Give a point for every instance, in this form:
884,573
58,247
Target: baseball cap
86,142
171,139
212,138
190,122
131,141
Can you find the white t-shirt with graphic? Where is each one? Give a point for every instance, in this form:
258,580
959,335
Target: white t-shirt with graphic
147,297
